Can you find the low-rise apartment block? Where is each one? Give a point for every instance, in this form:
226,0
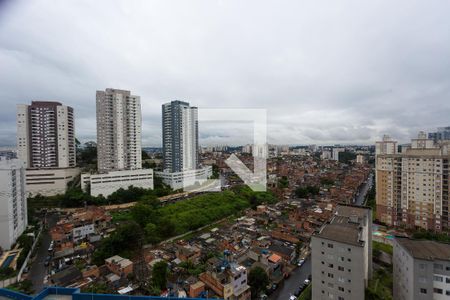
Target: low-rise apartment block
421,269
342,255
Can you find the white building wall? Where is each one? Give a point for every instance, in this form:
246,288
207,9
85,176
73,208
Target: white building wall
108,183
49,182
13,202
62,138
189,138
179,180
82,232
23,138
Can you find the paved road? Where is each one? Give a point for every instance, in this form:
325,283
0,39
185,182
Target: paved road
362,195
38,270
288,287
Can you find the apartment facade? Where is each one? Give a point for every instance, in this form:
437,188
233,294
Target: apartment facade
119,125
46,135
180,136
412,186
13,202
46,146
341,254
336,152
442,134
421,269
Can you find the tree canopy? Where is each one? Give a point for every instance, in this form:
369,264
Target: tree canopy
258,281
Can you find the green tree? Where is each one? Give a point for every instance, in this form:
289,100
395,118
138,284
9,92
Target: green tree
215,171
126,240
159,275
152,233
143,213
258,281
145,155
24,286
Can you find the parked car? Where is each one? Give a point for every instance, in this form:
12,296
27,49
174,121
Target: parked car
300,262
307,281
50,248
299,290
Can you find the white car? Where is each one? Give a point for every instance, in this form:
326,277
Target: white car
307,281
300,262
292,297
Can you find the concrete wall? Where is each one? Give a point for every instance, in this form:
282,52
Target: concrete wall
108,183
179,180
49,182
353,281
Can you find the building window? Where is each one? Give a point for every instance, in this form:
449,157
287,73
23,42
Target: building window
437,291
341,289
423,291
422,266
340,268
330,245
438,278
438,266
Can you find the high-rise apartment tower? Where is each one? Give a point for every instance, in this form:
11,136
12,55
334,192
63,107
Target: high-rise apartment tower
180,136
118,130
45,135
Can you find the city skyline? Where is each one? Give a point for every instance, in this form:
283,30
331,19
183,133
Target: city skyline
362,78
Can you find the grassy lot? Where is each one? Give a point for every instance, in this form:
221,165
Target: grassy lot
380,287
382,247
306,294
121,215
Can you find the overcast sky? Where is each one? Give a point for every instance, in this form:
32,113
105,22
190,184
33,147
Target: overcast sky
326,71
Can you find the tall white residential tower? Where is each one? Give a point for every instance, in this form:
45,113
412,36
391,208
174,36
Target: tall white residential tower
13,202
46,146
180,136
118,130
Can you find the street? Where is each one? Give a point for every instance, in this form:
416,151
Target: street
363,192
38,270
288,286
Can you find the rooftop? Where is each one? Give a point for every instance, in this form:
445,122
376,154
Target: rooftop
346,225
425,249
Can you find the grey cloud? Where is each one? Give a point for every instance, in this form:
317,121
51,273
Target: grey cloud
339,72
